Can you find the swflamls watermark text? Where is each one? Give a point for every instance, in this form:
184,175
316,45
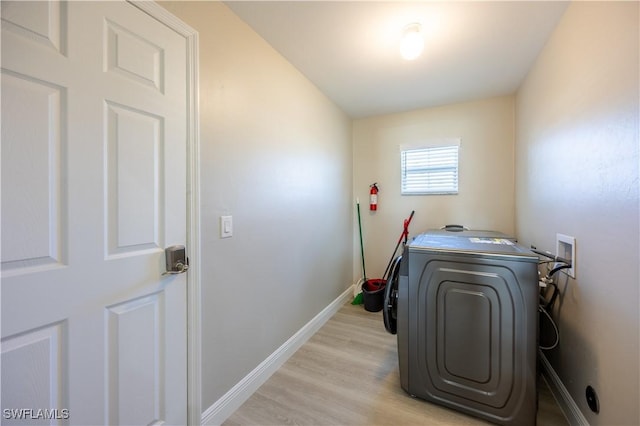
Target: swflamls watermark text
35,413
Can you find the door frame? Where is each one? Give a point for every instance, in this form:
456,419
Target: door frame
194,389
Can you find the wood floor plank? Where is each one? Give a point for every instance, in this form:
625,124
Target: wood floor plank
347,374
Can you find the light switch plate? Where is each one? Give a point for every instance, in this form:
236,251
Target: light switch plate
226,226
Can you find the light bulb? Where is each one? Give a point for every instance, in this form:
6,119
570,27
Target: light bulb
412,42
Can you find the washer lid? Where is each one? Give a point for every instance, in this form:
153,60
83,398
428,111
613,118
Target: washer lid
479,242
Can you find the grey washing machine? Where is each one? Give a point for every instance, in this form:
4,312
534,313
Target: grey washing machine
464,308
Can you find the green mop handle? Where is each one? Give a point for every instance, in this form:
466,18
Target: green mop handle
364,272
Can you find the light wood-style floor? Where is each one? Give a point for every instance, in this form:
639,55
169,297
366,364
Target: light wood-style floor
347,374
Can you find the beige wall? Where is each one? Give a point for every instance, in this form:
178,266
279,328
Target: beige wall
486,174
275,154
577,174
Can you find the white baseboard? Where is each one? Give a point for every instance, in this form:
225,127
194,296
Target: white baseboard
222,409
561,394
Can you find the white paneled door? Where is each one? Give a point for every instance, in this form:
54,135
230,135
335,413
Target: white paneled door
94,133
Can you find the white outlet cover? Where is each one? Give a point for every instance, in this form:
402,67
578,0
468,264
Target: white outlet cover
566,248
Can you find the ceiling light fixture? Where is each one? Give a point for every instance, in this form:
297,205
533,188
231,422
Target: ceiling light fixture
412,42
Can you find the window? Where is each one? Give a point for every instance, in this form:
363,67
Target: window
430,169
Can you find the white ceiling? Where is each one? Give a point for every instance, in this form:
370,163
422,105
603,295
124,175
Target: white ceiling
349,49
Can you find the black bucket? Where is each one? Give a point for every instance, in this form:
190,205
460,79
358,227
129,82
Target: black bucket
373,294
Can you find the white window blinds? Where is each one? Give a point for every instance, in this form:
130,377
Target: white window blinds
430,170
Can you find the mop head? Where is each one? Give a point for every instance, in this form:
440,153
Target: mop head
358,298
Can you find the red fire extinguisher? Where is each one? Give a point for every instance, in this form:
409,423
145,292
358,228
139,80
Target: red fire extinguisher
373,197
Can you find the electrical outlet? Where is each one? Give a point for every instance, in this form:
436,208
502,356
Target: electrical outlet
566,248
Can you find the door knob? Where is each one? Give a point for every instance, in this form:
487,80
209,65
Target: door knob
176,260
